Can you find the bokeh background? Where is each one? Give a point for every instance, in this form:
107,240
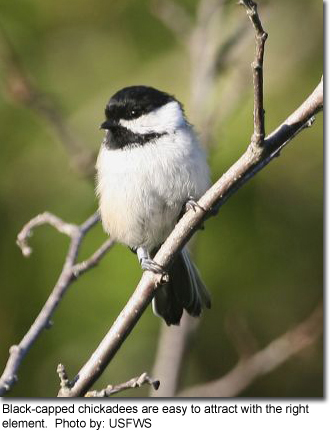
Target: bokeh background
261,256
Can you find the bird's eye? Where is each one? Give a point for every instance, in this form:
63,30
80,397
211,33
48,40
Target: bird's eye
134,112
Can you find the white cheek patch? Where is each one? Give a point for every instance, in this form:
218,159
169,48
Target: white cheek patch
164,119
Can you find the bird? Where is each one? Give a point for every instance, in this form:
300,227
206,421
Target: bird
150,169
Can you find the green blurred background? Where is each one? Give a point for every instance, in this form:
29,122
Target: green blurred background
261,257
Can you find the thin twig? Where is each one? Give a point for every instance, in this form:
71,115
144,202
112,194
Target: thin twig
136,382
93,260
246,167
44,218
257,67
204,45
209,54
242,171
71,270
63,377
264,361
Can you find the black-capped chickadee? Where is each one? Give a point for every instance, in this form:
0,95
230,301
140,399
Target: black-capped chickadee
149,166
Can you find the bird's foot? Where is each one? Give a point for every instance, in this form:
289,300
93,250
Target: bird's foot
191,203
148,264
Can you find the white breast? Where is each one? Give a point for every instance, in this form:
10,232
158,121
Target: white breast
142,189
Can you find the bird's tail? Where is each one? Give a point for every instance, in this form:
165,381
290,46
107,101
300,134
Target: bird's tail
185,290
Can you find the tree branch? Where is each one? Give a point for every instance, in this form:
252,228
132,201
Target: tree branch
44,218
204,45
65,383
264,361
170,354
257,67
242,171
252,161
71,270
136,382
209,52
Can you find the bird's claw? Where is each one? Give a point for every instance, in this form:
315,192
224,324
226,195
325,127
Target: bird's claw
192,204
150,265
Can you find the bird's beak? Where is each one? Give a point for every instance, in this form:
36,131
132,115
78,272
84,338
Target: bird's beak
106,125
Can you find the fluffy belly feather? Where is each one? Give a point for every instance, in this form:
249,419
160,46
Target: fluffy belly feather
142,191
139,205
136,218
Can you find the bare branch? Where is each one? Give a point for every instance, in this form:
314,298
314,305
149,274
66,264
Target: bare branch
252,161
264,361
171,351
92,261
209,54
203,43
257,67
242,171
301,118
71,270
45,218
136,382
65,383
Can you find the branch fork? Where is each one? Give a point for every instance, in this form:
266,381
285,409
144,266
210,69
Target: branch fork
71,270
258,154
